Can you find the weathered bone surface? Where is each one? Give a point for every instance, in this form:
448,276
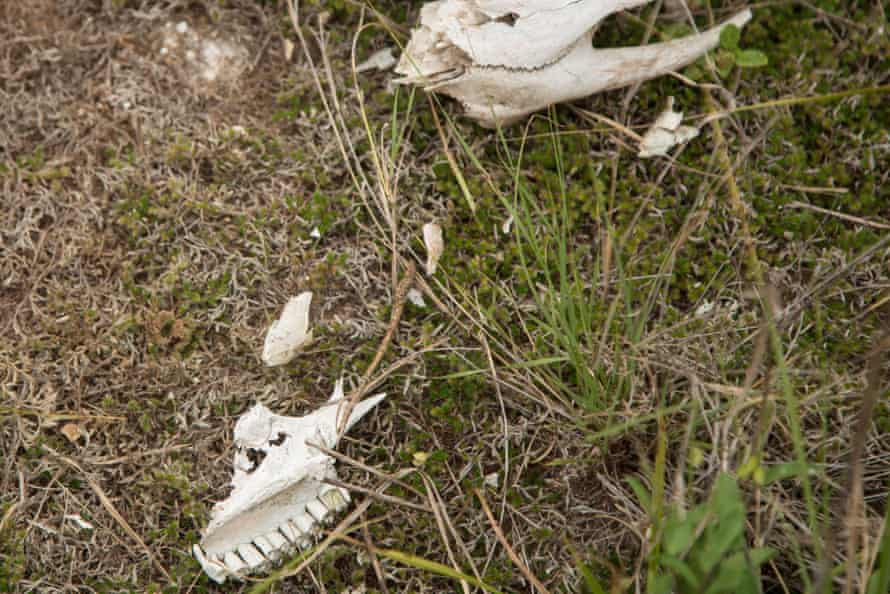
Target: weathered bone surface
435,245
666,132
279,497
289,333
505,59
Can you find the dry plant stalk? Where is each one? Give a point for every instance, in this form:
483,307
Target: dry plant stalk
505,59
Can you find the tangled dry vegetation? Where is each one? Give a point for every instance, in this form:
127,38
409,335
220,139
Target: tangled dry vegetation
603,339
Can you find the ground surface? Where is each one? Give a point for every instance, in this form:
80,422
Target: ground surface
590,370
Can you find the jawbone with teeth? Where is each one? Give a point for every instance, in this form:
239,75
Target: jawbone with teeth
279,496
505,59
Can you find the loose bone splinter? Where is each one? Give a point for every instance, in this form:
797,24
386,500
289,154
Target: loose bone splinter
504,59
279,496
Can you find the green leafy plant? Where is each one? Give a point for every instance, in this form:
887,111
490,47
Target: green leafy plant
704,550
731,54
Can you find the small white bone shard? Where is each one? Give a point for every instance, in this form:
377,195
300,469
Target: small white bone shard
666,132
279,497
289,333
505,59
380,60
435,245
416,297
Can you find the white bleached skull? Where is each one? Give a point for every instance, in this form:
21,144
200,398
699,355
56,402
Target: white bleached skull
504,59
279,497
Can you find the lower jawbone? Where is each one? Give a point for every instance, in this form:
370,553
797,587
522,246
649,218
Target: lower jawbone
280,499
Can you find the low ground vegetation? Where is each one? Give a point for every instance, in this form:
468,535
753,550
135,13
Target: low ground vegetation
666,375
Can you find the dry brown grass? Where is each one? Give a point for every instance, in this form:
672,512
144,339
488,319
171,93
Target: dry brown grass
146,246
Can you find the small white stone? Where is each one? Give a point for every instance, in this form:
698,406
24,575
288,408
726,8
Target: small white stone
315,233
705,308
81,523
416,297
182,27
164,51
288,50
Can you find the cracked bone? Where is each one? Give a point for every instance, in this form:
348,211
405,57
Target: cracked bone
505,59
279,496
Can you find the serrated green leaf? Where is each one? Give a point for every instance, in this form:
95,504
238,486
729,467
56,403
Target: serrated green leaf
729,37
751,58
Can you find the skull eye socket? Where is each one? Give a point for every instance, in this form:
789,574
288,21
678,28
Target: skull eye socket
278,440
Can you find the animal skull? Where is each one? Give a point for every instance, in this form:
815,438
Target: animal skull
279,496
504,59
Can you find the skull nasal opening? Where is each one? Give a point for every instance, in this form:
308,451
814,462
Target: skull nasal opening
255,457
508,19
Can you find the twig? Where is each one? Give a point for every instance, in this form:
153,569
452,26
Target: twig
370,469
375,561
380,496
112,511
791,311
338,533
503,540
137,455
851,499
398,307
839,215
438,510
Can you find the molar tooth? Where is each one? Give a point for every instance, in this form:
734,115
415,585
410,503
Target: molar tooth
266,548
277,540
305,525
251,555
335,498
317,509
290,533
304,539
234,562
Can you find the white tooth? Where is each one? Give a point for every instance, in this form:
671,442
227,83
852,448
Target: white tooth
291,533
266,547
251,555
278,541
234,562
333,499
317,509
213,568
304,524
304,539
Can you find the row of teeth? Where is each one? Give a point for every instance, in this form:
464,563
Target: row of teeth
296,532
